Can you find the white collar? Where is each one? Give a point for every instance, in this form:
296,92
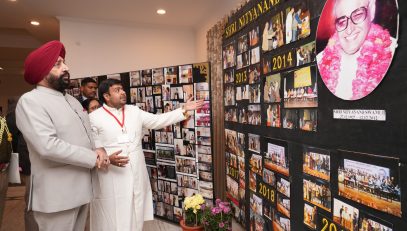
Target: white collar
112,109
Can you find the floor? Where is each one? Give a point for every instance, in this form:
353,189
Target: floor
13,215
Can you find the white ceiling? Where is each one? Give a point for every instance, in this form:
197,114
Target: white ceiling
18,37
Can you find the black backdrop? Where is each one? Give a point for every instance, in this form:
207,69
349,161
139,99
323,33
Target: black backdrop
385,138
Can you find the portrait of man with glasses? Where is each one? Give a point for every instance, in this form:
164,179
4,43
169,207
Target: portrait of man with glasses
359,50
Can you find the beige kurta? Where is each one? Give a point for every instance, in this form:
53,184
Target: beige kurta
58,136
123,198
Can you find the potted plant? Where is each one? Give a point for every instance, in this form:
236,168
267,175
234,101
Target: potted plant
193,207
218,217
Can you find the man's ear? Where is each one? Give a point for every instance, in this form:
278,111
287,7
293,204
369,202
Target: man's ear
106,96
372,9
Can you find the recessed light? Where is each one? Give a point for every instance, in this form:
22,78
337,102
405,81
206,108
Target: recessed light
35,23
161,11
1,69
12,0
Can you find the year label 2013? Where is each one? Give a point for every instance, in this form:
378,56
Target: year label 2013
241,77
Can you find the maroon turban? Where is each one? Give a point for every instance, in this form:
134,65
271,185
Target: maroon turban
39,63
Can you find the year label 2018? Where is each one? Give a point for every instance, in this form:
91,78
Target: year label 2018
266,191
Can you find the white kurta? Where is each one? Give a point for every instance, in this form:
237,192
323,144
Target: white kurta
288,26
122,196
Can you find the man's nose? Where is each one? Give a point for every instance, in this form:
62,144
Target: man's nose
350,27
65,67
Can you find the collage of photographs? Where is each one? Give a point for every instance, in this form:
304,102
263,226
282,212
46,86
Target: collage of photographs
374,183
235,145
179,157
269,183
269,79
317,194
281,90
346,217
192,143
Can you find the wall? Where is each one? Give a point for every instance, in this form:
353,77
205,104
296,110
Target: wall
224,8
200,38
97,49
120,48
100,48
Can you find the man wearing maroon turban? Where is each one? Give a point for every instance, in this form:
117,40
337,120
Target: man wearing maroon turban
59,141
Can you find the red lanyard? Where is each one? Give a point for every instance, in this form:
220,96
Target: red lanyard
122,123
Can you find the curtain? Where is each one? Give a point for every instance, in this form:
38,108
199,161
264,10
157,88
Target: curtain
214,55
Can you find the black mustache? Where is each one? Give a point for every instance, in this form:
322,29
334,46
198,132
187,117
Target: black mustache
65,74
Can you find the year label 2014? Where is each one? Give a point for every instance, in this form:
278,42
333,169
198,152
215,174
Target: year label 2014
283,61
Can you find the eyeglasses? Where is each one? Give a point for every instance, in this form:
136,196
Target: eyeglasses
357,16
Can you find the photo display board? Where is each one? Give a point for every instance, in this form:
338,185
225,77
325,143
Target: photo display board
291,163
178,157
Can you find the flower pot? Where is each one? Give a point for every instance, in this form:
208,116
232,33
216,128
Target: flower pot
226,224
192,228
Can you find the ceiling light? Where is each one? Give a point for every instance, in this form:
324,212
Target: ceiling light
12,0
35,23
1,69
161,11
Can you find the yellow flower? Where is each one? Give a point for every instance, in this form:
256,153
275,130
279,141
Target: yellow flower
194,202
